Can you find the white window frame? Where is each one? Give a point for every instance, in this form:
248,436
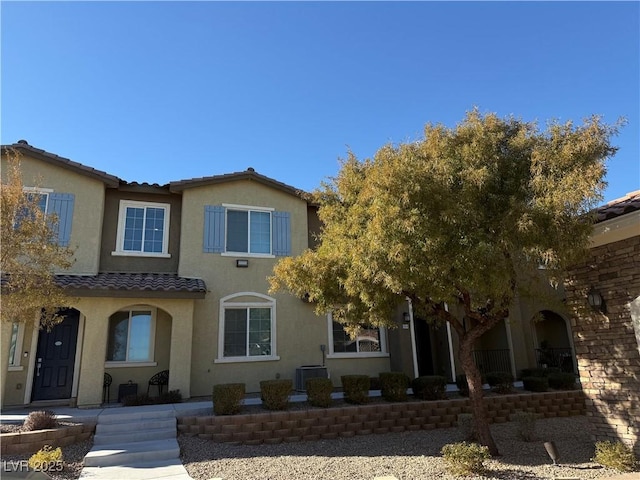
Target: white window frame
152,340
384,351
40,191
246,208
262,301
122,217
15,362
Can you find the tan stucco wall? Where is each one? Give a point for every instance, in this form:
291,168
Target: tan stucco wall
87,210
299,332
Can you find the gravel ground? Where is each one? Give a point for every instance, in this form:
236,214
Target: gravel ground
72,455
407,456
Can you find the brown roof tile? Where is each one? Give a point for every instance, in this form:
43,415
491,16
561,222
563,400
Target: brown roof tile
618,207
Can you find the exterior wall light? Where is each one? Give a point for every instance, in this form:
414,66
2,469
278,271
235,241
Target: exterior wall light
242,263
406,317
595,300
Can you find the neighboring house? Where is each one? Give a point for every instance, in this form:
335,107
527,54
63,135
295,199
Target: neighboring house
175,277
605,291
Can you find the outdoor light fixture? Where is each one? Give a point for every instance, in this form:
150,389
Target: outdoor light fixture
242,263
406,317
595,300
552,450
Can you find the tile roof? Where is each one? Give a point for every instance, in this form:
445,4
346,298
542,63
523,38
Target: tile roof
618,207
23,147
248,174
135,283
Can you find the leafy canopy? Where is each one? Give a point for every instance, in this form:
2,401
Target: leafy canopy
29,254
457,216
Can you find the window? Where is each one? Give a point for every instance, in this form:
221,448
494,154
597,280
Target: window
247,328
249,231
15,348
143,229
54,203
371,342
131,336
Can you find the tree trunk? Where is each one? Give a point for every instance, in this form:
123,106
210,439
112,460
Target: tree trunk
476,395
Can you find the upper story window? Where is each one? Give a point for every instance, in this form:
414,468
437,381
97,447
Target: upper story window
143,229
58,204
370,342
250,231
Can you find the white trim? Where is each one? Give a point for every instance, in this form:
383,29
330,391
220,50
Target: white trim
31,368
225,302
384,350
245,254
234,206
37,189
124,204
152,338
412,330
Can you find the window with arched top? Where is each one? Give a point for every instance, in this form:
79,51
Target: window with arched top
247,331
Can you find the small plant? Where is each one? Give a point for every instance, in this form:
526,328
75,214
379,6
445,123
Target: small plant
535,384
562,381
227,398
526,425
467,427
275,394
615,455
39,420
465,458
429,387
394,386
463,386
46,459
356,388
137,400
319,391
172,396
500,382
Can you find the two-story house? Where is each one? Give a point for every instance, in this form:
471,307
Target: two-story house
174,277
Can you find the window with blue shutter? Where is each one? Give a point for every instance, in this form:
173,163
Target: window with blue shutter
281,234
214,217
61,204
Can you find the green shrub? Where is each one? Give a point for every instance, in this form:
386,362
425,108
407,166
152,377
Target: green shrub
172,396
463,386
562,381
46,459
500,382
227,398
615,455
538,372
356,388
429,387
137,400
394,386
275,393
525,424
467,427
319,391
535,384
39,420
465,458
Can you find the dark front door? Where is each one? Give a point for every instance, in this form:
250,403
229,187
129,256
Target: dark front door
55,359
423,347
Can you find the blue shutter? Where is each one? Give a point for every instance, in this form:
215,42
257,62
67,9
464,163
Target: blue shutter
62,205
281,233
213,229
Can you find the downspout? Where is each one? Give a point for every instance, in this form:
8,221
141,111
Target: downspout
413,339
452,360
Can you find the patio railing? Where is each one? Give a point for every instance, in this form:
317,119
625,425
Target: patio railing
492,360
561,358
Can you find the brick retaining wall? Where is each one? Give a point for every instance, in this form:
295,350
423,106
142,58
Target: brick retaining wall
30,442
348,421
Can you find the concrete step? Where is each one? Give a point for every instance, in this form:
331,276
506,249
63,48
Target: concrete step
135,435
135,426
121,415
134,452
170,469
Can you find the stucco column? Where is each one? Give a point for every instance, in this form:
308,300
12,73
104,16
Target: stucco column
94,350
180,360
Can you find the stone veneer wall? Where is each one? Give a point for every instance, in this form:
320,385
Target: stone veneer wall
30,442
605,343
315,424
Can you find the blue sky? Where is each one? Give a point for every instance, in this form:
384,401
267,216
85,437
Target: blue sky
161,91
